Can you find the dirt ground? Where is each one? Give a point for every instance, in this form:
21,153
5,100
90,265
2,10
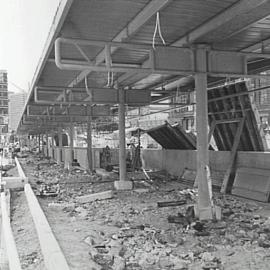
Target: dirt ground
24,231
129,231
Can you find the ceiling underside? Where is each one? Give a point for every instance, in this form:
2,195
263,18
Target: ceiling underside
228,25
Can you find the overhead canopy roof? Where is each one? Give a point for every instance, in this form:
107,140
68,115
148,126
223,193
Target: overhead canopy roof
86,28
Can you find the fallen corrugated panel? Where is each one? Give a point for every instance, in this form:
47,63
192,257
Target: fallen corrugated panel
228,104
252,183
172,137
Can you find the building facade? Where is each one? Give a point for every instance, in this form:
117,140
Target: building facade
16,105
3,103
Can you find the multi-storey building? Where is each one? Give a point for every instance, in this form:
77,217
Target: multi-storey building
262,99
184,114
3,103
16,105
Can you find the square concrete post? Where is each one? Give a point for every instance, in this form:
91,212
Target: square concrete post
42,144
39,150
123,183
60,145
204,207
69,157
47,144
89,143
29,142
53,146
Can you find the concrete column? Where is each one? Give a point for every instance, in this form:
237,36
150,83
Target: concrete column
75,136
29,142
60,145
69,157
47,143
89,143
204,204
42,145
122,184
53,146
39,150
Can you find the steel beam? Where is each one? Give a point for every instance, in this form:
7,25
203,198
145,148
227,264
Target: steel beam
99,96
164,60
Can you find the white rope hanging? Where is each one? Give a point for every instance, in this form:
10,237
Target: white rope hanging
89,92
157,28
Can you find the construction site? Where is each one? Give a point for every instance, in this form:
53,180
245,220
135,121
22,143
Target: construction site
144,141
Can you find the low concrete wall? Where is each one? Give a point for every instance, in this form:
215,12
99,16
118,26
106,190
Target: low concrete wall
152,159
50,152
259,160
175,161
81,155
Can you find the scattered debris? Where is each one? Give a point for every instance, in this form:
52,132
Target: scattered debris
172,203
132,233
49,190
95,196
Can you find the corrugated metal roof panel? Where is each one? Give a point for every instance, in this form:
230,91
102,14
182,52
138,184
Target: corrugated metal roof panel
179,18
100,20
172,137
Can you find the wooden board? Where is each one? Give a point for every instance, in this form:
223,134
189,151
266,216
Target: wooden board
227,103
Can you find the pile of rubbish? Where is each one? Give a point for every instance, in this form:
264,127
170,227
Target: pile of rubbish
154,228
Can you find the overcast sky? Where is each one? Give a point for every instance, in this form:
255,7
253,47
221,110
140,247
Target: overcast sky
24,26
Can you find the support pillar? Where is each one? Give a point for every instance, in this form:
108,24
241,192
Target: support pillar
47,144
205,207
122,184
29,142
69,157
60,145
89,144
53,146
43,145
39,150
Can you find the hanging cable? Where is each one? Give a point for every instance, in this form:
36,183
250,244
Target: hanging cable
89,92
110,79
157,28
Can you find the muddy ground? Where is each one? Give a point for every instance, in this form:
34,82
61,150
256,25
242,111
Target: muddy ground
129,231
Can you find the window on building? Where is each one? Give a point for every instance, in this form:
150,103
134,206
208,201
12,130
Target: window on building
263,97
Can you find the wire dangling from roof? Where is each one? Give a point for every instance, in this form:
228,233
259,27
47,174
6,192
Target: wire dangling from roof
157,28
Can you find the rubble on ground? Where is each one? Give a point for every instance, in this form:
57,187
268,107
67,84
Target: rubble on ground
143,235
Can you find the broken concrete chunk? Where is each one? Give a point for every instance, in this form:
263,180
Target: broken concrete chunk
95,196
68,207
171,203
141,190
105,175
119,263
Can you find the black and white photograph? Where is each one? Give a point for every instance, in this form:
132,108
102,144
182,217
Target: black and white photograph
135,135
